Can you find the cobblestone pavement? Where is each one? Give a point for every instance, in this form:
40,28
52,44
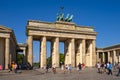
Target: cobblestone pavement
87,74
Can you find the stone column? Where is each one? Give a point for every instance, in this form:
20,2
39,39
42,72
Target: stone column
43,52
66,51
55,52
78,53
72,52
109,56
7,52
24,53
83,52
114,56
119,57
103,57
94,53
30,50
97,57
2,52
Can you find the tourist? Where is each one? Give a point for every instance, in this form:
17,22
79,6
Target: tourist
47,68
107,67
9,67
83,66
63,68
54,68
15,68
70,68
66,68
79,67
110,68
1,67
102,68
98,67
118,67
12,65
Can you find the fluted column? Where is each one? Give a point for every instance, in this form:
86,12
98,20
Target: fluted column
83,52
43,52
30,50
94,53
92,57
114,56
119,57
78,53
109,56
103,57
72,52
97,57
66,51
7,54
55,52
24,53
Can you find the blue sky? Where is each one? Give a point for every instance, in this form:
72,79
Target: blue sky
103,15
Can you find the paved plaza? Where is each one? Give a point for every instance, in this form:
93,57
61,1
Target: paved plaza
87,74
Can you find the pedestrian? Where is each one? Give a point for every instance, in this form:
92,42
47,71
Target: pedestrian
83,66
9,67
47,68
15,68
54,68
70,68
63,68
98,67
107,67
102,68
79,67
66,67
1,67
110,68
118,67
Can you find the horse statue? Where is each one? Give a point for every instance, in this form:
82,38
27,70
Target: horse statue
70,19
67,17
60,17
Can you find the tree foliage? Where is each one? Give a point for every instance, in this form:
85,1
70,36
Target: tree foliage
61,59
20,58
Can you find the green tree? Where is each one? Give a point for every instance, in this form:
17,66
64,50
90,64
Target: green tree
62,58
49,61
20,58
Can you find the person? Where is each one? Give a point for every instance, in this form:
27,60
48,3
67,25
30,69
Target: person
47,68
63,68
102,68
107,67
1,67
79,67
118,67
66,67
12,65
15,68
110,68
54,68
70,68
9,67
98,66
83,66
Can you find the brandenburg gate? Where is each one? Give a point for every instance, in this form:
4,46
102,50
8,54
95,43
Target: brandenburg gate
79,41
